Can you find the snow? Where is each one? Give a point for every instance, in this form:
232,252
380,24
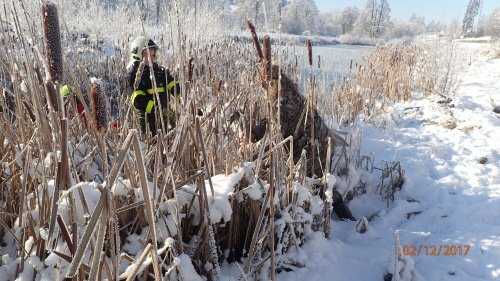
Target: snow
219,206
301,193
8,271
450,152
121,187
448,199
95,80
186,268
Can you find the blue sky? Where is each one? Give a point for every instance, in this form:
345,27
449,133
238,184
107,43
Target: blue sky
439,10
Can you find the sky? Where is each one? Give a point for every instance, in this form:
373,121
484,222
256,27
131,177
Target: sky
438,10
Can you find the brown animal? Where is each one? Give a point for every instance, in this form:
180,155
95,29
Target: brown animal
295,123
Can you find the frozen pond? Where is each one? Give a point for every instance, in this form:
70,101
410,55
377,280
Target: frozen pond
335,62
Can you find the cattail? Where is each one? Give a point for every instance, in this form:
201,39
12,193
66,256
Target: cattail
51,93
310,52
255,39
267,59
39,75
98,104
52,40
29,110
190,69
138,74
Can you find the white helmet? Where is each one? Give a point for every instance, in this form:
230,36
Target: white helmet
139,44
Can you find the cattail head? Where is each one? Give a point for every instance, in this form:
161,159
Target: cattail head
190,69
266,66
255,39
309,52
51,93
52,40
98,104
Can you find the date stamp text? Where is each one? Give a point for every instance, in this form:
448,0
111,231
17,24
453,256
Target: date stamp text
436,250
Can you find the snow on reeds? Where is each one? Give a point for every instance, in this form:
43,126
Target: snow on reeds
90,198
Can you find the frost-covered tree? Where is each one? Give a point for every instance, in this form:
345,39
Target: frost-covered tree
300,16
339,22
400,29
434,26
349,16
254,11
454,29
411,28
382,17
329,23
374,19
417,24
469,21
492,24
365,24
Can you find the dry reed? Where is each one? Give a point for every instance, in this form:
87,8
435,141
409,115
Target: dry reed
222,80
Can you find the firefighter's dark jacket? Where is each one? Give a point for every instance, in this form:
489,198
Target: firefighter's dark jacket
143,97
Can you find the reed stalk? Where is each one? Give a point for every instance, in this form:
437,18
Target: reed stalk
139,262
84,242
223,78
147,199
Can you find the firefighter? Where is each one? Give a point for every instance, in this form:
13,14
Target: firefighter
69,96
146,78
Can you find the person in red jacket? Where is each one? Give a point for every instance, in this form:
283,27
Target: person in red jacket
69,95
146,77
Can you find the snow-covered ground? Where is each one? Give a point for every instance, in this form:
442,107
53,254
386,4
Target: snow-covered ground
447,214
449,202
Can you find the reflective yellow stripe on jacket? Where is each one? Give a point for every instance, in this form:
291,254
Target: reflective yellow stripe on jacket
159,89
171,85
135,94
142,93
149,107
151,92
